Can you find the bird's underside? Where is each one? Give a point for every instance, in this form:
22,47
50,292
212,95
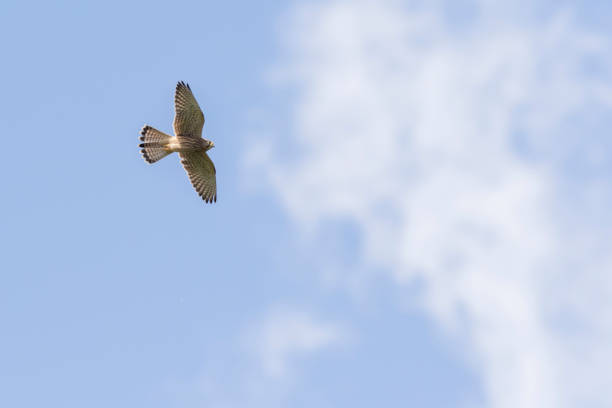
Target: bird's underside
188,143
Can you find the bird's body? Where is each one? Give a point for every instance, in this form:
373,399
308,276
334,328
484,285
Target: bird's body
187,142
184,144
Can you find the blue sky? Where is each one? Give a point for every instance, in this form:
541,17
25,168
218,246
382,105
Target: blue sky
413,205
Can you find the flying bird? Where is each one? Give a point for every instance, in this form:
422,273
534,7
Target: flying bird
187,142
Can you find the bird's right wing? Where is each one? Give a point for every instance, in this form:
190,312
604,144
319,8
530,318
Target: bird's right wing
202,174
188,119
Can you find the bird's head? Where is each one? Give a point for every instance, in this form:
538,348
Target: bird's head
209,145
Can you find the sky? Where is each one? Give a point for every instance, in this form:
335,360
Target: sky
413,205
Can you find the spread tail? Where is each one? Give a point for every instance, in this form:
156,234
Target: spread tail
154,144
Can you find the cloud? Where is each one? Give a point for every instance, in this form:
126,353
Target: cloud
262,365
288,334
458,147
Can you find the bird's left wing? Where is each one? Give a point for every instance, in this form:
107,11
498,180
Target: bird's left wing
202,174
188,119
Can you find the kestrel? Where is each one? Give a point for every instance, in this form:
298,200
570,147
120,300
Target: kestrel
188,142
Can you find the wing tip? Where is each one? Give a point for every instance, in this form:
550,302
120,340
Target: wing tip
182,84
208,199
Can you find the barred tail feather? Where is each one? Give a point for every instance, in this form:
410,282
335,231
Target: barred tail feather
154,146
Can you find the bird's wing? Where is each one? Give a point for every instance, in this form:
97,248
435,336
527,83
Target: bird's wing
188,119
202,174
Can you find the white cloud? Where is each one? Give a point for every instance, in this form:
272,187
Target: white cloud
287,335
447,146
262,365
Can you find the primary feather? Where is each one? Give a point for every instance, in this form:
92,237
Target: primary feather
189,119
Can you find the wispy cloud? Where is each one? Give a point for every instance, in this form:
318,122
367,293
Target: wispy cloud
262,366
460,151
286,335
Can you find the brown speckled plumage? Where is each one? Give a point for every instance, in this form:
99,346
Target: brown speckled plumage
188,142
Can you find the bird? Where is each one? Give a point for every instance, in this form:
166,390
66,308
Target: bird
187,142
